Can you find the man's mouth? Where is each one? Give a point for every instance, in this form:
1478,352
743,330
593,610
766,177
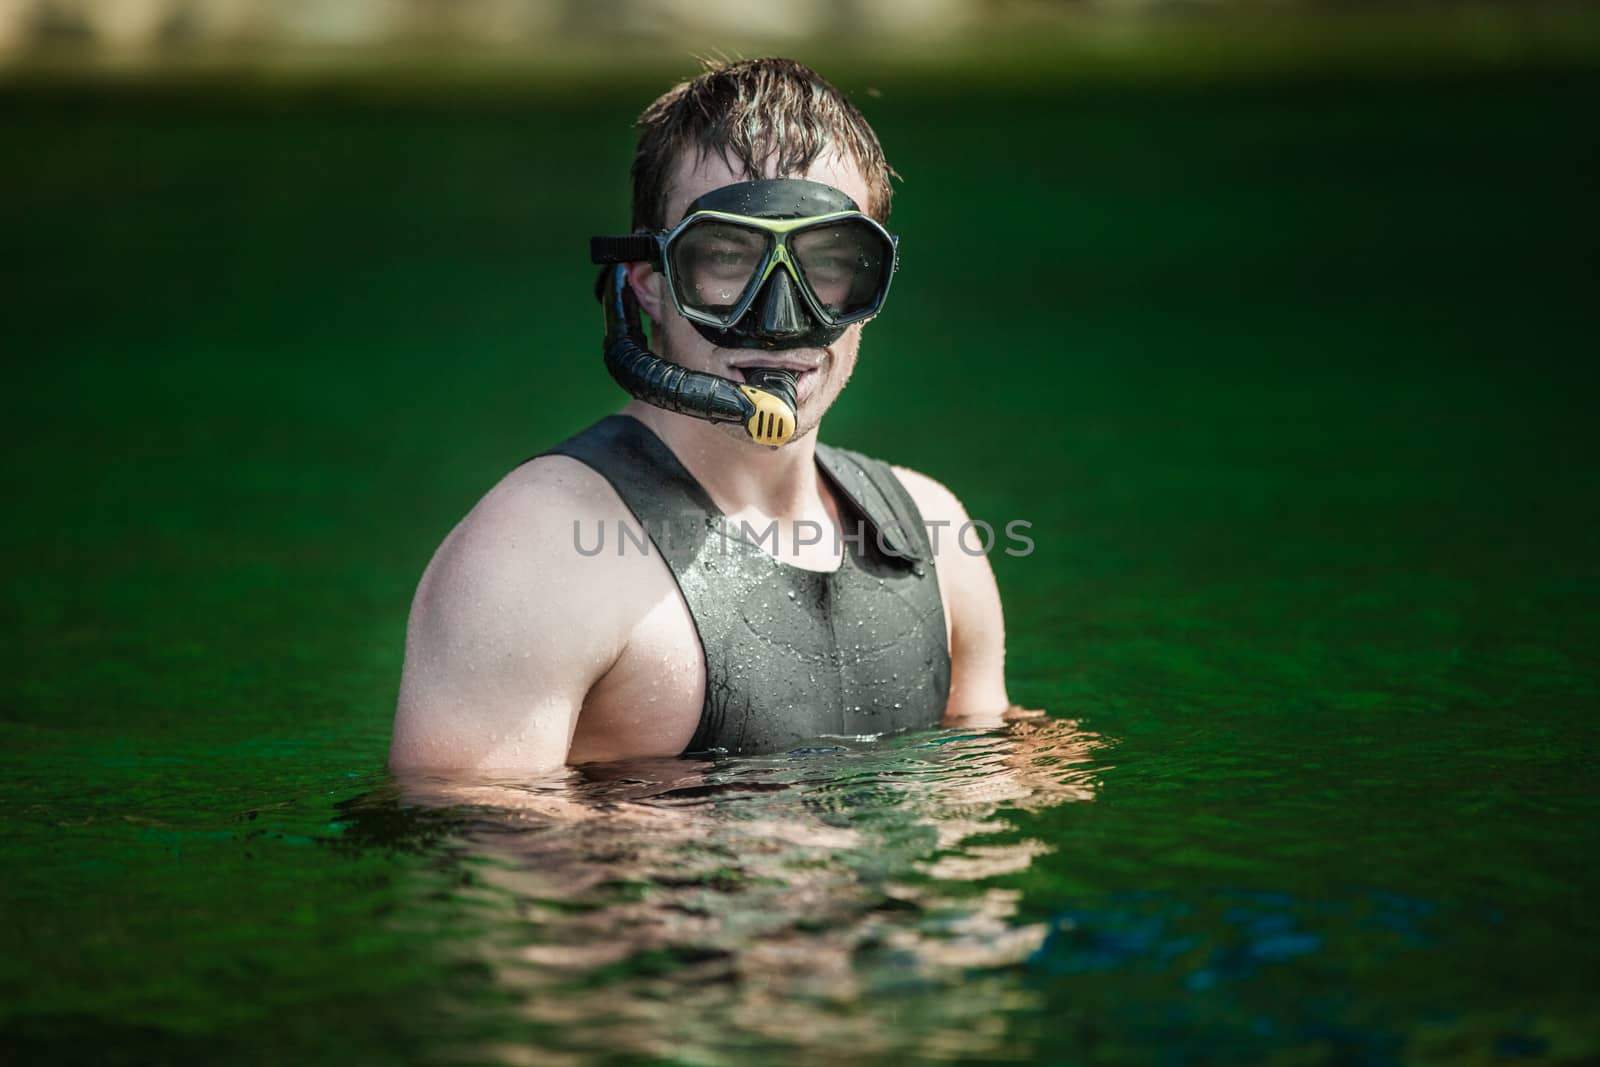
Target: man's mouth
805,375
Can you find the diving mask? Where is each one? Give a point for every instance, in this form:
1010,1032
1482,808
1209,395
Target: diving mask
782,263
772,264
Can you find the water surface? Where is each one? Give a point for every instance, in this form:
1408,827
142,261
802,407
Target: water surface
1293,380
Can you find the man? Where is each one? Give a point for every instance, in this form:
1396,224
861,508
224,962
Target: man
791,590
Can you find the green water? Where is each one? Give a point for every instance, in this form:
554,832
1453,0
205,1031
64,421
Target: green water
1293,379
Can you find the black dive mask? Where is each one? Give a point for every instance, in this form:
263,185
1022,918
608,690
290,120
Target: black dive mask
771,264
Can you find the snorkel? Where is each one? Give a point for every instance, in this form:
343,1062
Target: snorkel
772,264
765,405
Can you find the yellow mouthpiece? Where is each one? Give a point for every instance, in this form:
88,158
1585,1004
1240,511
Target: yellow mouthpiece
773,422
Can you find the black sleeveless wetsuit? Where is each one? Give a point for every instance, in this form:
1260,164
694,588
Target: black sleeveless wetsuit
792,655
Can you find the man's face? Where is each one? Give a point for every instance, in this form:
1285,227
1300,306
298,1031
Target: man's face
822,372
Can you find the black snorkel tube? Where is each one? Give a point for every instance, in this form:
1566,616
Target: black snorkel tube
766,406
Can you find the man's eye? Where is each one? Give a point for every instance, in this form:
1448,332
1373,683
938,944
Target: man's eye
833,267
727,257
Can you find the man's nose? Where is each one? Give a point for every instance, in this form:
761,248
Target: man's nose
781,314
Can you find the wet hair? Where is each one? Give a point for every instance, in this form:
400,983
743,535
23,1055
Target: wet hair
753,110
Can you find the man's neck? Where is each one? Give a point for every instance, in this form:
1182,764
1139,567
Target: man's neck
739,476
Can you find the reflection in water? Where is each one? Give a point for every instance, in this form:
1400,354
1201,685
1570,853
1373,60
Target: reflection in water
830,901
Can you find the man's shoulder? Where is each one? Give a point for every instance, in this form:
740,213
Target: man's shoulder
921,487
551,485
520,566
530,524
572,478
933,499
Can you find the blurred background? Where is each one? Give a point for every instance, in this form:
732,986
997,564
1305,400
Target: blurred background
1275,319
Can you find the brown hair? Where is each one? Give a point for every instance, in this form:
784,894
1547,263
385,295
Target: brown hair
753,110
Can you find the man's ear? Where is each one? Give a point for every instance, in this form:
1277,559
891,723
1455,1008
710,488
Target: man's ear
646,283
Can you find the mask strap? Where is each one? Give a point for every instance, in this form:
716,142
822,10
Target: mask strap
632,248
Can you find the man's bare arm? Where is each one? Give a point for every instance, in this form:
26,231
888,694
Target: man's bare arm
496,669
971,605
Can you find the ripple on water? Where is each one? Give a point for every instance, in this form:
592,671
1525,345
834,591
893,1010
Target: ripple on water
714,910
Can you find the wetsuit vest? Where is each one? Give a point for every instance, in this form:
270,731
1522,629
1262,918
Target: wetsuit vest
792,656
